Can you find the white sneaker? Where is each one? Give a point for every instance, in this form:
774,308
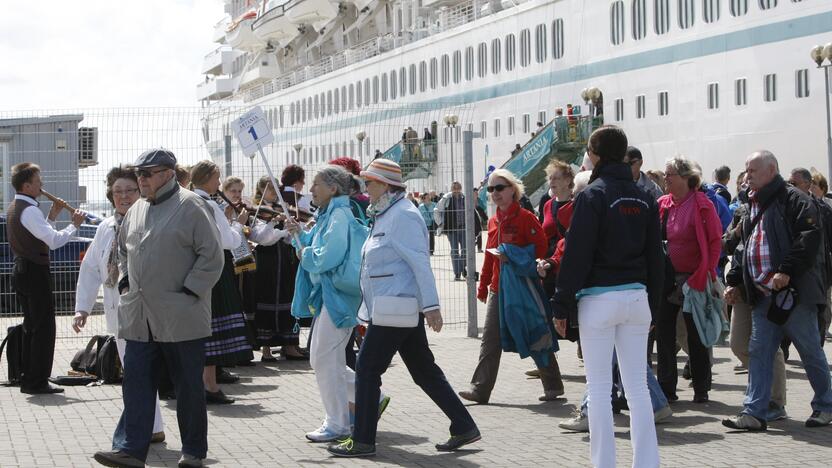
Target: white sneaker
579,423
662,414
324,434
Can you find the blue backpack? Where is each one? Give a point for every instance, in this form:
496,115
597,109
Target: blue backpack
347,275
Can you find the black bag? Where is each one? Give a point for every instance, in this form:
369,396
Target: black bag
13,344
99,358
669,271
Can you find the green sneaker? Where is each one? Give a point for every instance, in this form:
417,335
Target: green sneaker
349,448
382,405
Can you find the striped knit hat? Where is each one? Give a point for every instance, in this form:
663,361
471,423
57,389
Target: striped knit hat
384,170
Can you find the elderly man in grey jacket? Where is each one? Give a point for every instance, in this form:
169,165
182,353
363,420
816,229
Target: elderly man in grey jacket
169,258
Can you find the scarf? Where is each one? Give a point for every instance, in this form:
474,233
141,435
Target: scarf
112,260
384,202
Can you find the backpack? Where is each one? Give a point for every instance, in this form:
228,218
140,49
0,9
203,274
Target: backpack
14,353
347,274
99,358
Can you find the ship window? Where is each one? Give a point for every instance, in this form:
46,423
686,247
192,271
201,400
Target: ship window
469,63
303,110
402,82
639,19
329,102
352,149
343,98
359,100
661,16
457,66
352,96
557,38
617,22
525,47
336,101
375,90
445,70
495,56
366,91
711,10
510,51
801,83
412,79
687,13
619,110
510,125
739,7
316,108
433,73
713,96
322,111
280,115
298,110
740,92
770,88
292,113
496,128
641,106
664,103
768,4
482,60
423,76
384,87
541,46
393,84
526,123
541,117
483,128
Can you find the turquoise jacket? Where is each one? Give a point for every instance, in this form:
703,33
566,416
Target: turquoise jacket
426,209
326,248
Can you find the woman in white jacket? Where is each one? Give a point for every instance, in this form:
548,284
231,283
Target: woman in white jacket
100,267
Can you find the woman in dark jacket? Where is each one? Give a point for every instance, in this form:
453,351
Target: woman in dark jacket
614,259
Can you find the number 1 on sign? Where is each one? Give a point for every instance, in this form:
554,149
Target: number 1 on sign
253,133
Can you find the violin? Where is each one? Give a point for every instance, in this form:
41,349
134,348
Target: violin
262,212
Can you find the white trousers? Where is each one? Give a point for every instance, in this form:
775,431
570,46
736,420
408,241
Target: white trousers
158,424
620,320
336,381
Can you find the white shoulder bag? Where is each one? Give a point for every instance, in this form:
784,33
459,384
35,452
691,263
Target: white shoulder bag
394,311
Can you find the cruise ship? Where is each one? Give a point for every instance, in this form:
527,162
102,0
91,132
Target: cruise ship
710,79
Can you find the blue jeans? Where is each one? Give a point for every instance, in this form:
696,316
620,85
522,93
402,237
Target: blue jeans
802,329
657,397
456,237
142,363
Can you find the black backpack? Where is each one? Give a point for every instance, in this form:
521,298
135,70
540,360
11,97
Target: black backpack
13,343
99,358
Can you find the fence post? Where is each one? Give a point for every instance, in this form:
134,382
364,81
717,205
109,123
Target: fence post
470,250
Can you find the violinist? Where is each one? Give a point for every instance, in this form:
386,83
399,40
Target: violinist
277,266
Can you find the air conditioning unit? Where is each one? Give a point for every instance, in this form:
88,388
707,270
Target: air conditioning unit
87,146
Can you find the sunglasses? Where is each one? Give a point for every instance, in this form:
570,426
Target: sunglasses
497,188
147,173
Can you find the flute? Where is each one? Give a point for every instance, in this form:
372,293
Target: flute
91,218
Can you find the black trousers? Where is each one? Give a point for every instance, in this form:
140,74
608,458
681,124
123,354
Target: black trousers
667,368
379,346
33,288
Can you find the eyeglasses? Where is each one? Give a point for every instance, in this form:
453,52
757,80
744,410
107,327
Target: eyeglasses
147,173
497,188
125,193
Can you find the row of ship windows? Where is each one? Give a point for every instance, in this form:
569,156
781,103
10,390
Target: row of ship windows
685,15
740,95
438,72
322,153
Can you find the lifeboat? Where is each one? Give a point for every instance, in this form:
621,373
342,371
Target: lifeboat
239,35
273,25
317,13
219,30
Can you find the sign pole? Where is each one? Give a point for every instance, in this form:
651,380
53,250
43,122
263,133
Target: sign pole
277,191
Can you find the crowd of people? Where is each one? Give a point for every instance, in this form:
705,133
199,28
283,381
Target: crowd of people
615,258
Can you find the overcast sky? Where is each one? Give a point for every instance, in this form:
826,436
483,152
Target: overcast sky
59,54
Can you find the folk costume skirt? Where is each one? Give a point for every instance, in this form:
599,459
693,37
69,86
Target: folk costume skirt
228,343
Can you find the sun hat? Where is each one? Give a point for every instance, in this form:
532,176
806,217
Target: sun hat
384,170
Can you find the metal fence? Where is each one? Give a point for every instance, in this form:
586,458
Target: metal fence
76,148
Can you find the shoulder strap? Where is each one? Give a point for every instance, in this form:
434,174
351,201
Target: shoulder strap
664,224
763,209
3,345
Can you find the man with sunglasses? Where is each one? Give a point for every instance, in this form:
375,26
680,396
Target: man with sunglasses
779,276
169,260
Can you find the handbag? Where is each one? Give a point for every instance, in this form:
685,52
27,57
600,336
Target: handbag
395,311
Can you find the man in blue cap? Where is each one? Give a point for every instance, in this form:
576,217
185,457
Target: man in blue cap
169,259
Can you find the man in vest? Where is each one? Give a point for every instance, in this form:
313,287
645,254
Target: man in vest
31,237
450,214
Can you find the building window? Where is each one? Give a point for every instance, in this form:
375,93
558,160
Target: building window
510,125
617,22
496,128
661,16
557,38
619,110
711,10
393,84
483,128
526,123
433,73
740,92
687,13
639,19
495,56
541,46
713,96
402,82
469,63
457,66
384,83
445,70
768,4
541,117
412,70
739,7
482,60
801,83
525,48
423,76
770,88
510,50
641,106
664,103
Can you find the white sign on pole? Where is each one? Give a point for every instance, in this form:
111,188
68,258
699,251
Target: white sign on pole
253,131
